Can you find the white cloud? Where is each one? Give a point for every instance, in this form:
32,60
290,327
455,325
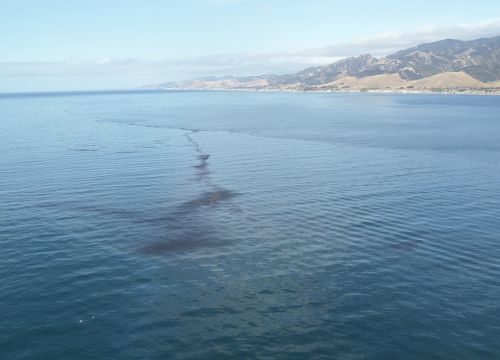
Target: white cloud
389,42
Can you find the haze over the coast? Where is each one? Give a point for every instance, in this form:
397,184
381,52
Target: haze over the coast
112,44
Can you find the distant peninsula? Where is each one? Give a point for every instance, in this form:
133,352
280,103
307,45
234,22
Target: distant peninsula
451,66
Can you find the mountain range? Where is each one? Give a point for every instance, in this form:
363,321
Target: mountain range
441,65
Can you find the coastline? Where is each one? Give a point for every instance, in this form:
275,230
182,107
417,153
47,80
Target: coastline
474,92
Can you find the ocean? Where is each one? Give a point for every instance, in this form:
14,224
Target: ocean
241,225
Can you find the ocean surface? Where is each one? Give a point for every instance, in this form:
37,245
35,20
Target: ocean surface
239,225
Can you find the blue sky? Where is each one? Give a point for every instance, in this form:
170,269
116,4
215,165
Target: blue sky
105,44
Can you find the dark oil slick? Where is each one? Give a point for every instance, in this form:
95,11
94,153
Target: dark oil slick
186,239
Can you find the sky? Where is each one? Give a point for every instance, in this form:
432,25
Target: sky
57,45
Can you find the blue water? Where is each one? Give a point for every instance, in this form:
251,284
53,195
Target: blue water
216,225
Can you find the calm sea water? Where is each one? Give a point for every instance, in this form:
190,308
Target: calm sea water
213,225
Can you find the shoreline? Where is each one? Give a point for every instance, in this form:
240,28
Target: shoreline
475,92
